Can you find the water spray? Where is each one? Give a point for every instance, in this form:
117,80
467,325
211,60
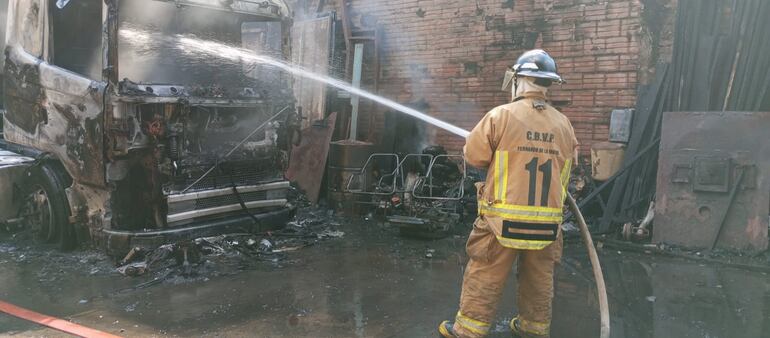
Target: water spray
224,51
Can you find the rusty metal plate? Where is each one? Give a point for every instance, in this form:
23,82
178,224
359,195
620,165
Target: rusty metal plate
311,41
702,155
308,160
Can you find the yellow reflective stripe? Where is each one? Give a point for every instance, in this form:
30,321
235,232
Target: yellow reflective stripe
501,175
522,244
565,172
527,208
504,183
471,324
517,217
478,323
498,170
522,213
537,328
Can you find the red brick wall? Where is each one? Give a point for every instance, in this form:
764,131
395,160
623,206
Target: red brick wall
453,54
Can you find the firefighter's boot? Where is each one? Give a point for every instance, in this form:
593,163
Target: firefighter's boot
518,332
446,330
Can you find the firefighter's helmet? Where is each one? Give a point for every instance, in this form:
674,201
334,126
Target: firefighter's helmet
536,64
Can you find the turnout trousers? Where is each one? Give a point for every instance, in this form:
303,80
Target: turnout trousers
485,276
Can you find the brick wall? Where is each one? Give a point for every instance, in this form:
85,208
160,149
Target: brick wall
453,53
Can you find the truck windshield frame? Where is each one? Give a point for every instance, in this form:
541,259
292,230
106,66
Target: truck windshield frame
158,62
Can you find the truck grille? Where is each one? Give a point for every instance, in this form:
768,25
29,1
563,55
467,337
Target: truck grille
204,203
227,174
184,207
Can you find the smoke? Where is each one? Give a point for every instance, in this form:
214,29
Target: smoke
302,9
414,65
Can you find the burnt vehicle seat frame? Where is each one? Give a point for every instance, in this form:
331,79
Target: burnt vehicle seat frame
429,178
397,177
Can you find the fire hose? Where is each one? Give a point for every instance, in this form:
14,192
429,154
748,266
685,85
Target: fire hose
601,289
53,322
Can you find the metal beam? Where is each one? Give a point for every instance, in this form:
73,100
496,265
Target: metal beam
358,60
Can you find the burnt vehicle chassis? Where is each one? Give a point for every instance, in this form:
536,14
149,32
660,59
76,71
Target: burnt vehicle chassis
424,194
127,164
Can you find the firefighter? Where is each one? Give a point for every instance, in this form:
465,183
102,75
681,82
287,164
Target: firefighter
527,147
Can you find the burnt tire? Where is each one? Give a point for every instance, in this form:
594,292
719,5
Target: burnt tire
45,207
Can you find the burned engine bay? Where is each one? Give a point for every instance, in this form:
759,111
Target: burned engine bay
197,139
187,163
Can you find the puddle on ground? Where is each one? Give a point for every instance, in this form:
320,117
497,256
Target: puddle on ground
373,283
661,297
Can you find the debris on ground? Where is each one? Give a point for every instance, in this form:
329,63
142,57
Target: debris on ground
219,254
733,258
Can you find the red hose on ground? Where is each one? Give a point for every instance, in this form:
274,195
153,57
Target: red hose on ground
53,322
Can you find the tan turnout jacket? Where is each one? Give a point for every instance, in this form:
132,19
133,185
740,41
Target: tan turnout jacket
527,147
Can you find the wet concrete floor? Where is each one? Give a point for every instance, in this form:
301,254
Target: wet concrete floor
372,283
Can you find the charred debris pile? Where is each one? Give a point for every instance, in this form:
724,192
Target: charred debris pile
228,253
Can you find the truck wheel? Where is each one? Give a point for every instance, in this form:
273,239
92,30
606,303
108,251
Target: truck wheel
45,210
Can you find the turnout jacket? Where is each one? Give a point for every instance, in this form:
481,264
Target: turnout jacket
527,147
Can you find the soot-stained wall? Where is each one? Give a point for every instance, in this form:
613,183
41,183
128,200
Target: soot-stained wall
453,53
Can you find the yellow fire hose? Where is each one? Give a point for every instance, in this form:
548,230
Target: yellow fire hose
601,289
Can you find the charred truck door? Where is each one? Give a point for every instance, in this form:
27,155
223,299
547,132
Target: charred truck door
126,126
52,107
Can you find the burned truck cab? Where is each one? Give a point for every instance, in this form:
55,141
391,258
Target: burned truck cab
142,140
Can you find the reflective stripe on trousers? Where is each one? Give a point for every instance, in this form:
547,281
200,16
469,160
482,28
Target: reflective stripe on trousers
471,324
522,244
529,326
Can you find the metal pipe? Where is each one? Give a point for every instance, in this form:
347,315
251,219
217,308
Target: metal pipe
642,230
358,61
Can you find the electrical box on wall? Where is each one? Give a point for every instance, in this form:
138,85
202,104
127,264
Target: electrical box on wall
620,125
